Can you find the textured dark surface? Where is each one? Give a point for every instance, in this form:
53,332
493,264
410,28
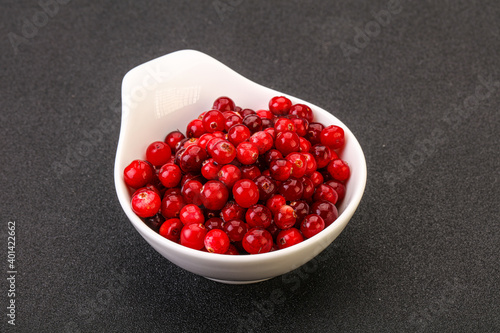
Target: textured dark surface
421,254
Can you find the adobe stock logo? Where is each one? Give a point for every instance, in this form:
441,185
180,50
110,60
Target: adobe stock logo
371,29
31,27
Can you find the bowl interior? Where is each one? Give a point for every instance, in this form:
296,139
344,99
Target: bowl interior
164,95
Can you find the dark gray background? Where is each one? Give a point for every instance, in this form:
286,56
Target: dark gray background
421,254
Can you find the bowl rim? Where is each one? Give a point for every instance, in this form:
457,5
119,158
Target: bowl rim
321,238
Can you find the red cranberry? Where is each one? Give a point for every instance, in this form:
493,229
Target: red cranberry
257,240
312,225
339,170
216,241
171,229
250,172
325,192
267,187
237,134
138,173
287,142
232,211
333,137
262,140
285,217
322,154
229,174
213,121
195,129
191,191
146,203
302,111
171,205
292,189
235,229
338,187
232,120
158,153
246,112
170,175
204,139
284,125
210,169
253,122
193,236
317,178
214,223
301,209
301,125
192,158
265,114
223,152
275,202
313,134
298,161
326,210
173,138
289,237
191,214
280,169
245,193
224,104
280,105
214,195
258,216
247,153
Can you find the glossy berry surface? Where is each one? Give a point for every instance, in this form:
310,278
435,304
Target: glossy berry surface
193,236
158,153
146,203
280,105
257,240
216,241
214,195
138,173
288,237
171,229
245,193
312,225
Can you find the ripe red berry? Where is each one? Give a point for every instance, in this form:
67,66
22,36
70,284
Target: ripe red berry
280,105
195,129
263,141
191,159
292,189
216,241
235,229
173,138
285,217
146,203
210,169
224,103
325,192
247,153
302,111
158,153
191,192
213,121
170,175
299,165
138,173
313,134
214,195
326,210
229,174
253,122
214,223
171,229
237,134
171,205
223,152
339,170
281,169
333,137
312,225
191,214
322,154
257,240
258,216
245,193
250,172
232,211
275,202
289,237
193,236
338,187
284,125
287,142
267,187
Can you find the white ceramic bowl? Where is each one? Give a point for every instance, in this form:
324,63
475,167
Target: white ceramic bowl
163,95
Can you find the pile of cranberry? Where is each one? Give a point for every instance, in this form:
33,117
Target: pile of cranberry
242,181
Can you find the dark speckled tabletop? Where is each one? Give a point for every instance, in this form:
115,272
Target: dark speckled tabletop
418,82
